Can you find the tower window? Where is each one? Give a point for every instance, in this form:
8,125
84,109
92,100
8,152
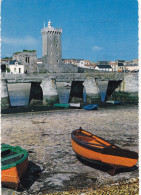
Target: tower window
57,61
56,45
27,59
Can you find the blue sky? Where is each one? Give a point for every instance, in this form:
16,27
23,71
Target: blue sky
92,29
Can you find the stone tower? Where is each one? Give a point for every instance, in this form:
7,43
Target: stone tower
51,48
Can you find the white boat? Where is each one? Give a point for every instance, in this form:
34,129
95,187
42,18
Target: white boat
75,105
113,102
67,84
110,102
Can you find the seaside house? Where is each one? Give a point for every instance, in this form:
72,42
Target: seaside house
121,65
84,64
103,67
15,67
114,65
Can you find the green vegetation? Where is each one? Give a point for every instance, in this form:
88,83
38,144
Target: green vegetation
16,52
8,69
26,50
7,58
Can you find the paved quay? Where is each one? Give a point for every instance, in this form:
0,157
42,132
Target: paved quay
53,165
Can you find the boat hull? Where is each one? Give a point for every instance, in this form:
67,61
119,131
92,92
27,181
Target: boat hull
11,177
90,107
105,152
93,156
61,105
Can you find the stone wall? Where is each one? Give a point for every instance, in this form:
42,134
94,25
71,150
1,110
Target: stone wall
128,89
29,59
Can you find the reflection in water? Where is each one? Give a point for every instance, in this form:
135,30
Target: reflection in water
19,100
19,94
103,96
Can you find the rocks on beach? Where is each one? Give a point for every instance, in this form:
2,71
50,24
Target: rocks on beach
53,165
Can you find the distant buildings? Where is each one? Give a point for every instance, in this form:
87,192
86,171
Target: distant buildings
103,67
28,58
86,64
114,65
71,61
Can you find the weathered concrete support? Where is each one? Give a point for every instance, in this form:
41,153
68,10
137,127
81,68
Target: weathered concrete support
50,95
128,90
5,102
92,91
130,83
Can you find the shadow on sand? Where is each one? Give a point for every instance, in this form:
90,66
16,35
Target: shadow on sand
106,168
31,175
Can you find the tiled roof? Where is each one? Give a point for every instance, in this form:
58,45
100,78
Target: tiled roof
120,64
103,66
13,62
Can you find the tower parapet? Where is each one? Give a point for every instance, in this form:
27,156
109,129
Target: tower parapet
51,48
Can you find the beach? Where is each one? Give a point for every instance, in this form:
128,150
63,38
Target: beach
53,166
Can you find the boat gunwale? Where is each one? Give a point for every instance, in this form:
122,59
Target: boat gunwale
108,150
15,149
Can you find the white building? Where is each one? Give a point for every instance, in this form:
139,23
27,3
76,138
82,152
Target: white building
103,67
15,67
114,65
84,64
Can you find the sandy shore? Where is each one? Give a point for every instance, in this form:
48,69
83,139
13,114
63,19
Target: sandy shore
53,165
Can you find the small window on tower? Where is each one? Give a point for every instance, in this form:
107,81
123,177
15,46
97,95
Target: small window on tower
56,45
57,61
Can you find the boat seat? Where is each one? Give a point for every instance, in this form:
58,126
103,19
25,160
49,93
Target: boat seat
85,139
11,159
5,151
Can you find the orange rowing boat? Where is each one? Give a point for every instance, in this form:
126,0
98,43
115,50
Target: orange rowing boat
14,161
93,148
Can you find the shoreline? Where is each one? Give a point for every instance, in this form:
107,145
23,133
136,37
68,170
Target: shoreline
28,109
53,166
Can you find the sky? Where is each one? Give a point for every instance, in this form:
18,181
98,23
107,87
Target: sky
92,29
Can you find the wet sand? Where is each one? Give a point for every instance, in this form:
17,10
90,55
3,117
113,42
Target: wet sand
53,165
